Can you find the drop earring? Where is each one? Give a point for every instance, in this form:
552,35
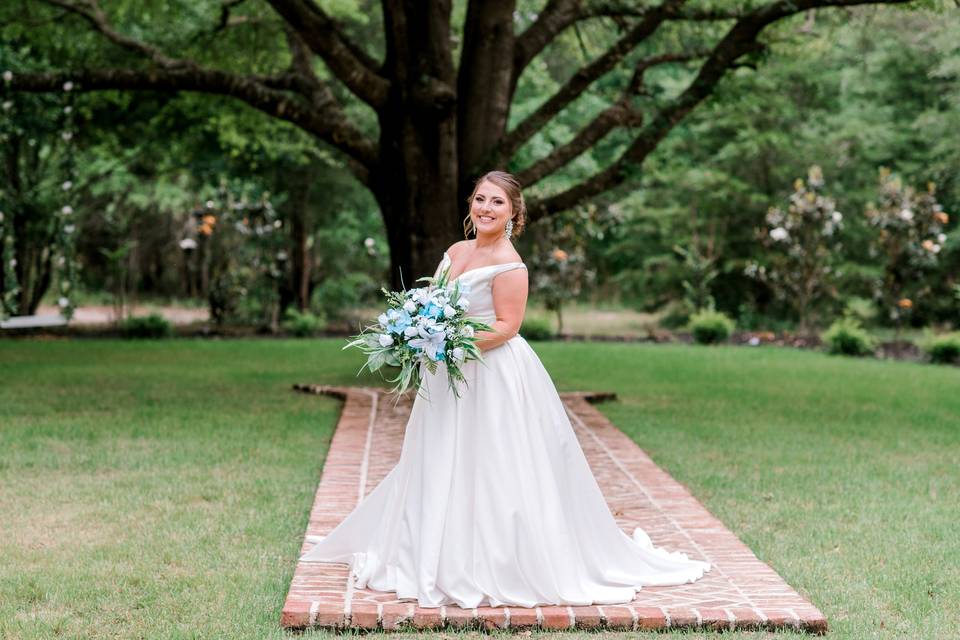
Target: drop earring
508,230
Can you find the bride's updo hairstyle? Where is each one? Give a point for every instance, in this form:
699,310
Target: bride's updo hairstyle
509,184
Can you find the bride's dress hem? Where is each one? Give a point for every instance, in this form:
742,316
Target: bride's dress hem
492,501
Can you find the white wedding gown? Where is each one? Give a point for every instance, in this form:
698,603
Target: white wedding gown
492,501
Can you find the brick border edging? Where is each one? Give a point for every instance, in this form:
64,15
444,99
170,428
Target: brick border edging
351,448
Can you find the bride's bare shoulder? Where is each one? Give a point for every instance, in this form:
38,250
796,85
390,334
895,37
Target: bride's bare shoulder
454,249
508,254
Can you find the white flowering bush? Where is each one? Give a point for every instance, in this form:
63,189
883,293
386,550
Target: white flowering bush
803,244
234,242
423,328
909,235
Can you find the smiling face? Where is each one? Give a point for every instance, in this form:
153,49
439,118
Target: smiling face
490,208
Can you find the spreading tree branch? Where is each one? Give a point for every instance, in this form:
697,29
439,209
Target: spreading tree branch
347,61
739,40
559,15
327,124
577,83
90,11
620,114
314,107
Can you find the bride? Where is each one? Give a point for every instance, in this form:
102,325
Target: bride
492,501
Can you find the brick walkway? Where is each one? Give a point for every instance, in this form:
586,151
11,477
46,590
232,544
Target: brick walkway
739,592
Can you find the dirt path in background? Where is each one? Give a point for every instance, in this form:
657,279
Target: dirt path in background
104,315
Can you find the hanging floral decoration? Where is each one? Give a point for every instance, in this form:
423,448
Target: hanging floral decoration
66,260
9,287
64,231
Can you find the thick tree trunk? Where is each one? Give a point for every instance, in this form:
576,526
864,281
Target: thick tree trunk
418,198
415,183
297,289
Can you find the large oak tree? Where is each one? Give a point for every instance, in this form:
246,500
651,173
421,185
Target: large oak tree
443,119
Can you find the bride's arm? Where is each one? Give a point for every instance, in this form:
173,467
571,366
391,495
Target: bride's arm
509,304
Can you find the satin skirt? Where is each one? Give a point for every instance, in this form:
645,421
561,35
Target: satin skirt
492,503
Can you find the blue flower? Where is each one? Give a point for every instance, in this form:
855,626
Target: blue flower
441,349
430,310
399,320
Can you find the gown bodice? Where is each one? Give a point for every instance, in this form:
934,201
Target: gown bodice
477,286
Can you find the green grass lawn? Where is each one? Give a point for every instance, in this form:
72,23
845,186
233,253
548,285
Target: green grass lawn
161,490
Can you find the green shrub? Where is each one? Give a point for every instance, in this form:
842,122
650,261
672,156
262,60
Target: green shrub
943,349
710,327
536,329
302,325
674,315
863,309
848,337
151,326
337,296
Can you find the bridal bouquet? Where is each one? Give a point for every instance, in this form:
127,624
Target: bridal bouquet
421,328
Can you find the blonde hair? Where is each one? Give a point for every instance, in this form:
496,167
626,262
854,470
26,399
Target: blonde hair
509,184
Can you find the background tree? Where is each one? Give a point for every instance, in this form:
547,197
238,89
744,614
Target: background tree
850,90
419,111
803,247
908,238
557,257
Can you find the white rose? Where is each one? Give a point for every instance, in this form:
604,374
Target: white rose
906,214
410,331
468,331
837,216
448,311
188,243
458,354
8,75
383,320
409,306
386,340
941,238
67,210
63,302
779,234
935,248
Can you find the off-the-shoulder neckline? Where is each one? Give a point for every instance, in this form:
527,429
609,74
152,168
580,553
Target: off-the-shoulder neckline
487,266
